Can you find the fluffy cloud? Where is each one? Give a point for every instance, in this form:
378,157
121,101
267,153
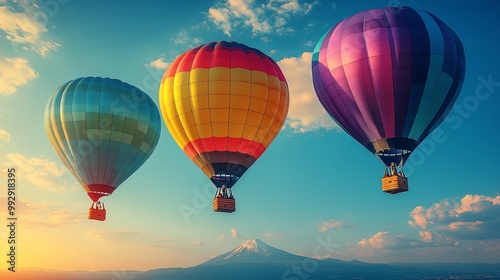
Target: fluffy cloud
14,73
23,23
183,38
198,243
464,229
331,224
221,237
305,113
159,64
425,236
235,234
387,241
385,246
220,17
4,135
472,217
272,17
42,173
284,7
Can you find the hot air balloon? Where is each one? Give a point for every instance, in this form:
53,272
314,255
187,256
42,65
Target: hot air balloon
223,103
389,77
103,130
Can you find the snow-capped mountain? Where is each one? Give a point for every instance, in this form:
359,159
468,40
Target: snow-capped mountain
254,251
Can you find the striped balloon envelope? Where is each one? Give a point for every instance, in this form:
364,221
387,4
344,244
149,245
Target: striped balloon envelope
223,103
103,130
389,77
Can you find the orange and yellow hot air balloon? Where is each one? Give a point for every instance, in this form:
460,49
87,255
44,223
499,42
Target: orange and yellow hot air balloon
224,103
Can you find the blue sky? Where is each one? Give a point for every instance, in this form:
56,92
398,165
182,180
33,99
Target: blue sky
314,192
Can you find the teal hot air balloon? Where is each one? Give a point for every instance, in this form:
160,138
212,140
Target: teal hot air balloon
103,130
389,77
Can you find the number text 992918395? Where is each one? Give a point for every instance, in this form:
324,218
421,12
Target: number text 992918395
11,219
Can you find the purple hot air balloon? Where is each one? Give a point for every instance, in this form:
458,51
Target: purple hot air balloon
389,77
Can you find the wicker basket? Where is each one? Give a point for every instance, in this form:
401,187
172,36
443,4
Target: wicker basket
394,184
221,204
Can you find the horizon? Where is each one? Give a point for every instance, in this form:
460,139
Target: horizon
34,269
315,192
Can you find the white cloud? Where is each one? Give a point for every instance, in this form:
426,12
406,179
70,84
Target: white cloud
221,237
26,27
378,241
425,236
198,243
183,38
309,43
4,135
383,240
285,7
306,112
42,173
14,73
288,7
452,230
266,39
159,64
472,217
476,203
385,246
220,17
272,17
235,234
331,224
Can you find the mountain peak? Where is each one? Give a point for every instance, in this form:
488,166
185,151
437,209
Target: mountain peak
253,251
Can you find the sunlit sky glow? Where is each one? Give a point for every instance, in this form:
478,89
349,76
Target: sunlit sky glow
314,185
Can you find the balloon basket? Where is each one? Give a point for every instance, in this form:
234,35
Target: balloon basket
394,184
97,212
226,205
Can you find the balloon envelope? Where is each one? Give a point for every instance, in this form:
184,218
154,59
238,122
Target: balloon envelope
223,103
103,130
389,77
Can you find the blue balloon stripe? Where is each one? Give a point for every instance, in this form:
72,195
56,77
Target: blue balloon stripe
420,43
412,63
455,67
431,89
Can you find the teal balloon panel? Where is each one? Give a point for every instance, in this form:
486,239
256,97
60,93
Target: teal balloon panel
103,130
